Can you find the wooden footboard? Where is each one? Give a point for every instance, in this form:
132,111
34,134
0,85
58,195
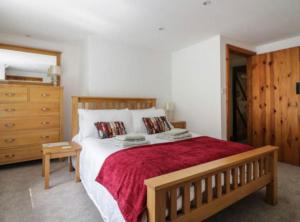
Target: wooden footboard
216,185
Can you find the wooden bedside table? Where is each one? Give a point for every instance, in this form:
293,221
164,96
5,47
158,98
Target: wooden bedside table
179,124
60,151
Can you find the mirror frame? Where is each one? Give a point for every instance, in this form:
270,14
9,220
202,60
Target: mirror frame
57,54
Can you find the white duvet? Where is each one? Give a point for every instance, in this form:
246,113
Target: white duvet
93,154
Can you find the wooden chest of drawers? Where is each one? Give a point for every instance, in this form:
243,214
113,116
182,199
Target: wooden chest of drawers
30,115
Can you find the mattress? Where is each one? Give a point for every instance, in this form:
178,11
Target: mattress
93,154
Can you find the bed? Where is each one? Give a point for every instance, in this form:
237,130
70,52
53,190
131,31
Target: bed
204,189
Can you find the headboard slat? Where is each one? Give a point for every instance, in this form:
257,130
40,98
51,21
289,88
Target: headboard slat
79,102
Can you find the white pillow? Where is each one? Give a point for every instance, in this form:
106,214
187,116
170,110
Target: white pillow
88,118
137,118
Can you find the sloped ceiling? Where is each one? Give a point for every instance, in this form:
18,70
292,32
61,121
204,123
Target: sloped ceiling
137,21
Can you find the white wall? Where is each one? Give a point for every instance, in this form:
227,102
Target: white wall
115,69
194,77
277,45
196,87
199,85
71,65
100,68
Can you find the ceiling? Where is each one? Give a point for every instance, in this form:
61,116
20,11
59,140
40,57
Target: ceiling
137,21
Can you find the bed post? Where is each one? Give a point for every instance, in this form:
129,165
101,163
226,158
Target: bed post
156,202
271,188
75,101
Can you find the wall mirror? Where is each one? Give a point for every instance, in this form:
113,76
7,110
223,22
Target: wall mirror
23,64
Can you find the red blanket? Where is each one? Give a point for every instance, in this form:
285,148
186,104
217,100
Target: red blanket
123,173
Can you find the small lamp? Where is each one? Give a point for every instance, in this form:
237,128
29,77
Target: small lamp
169,107
54,72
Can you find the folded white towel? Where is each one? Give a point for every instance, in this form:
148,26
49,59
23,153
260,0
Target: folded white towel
131,143
131,137
176,131
173,138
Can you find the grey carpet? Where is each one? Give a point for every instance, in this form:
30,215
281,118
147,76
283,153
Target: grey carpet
23,198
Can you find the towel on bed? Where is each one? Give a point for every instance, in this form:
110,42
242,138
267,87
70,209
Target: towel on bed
131,137
176,132
131,143
130,140
173,138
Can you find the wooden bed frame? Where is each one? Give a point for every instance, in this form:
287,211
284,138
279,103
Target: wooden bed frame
234,177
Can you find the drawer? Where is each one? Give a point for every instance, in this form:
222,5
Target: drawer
23,123
44,94
18,138
20,154
29,109
13,94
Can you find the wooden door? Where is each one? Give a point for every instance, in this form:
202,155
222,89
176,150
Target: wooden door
274,106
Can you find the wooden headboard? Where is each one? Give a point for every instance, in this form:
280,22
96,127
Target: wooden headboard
106,103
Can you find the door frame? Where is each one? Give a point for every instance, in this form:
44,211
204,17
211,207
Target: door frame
240,51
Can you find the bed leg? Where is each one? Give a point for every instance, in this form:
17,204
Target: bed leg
272,188
156,204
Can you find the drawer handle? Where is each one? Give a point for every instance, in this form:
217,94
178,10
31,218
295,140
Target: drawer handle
45,94
45,123
10,94
45,137
44,109
9,140
10,110
10,156
9,125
